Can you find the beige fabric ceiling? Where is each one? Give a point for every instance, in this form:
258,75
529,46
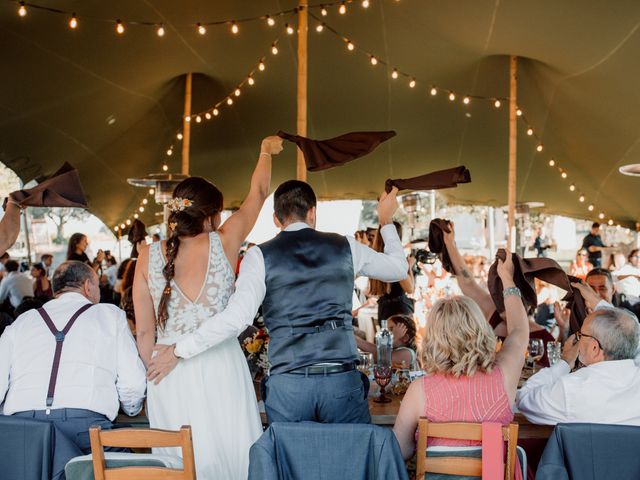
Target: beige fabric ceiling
578,75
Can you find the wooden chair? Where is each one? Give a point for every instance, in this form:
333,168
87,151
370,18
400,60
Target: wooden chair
142,438
454,465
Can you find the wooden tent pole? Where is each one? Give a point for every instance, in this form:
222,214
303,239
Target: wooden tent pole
303,31
513,135
186,126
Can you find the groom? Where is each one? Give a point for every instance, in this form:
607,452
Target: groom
304,280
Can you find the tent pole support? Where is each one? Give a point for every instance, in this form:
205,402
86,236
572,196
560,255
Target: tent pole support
303,33
186,126
513,136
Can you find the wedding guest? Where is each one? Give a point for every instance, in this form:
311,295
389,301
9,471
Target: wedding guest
100,370
126,301
628,276
466,381
594,245
9,228
16,286
41,284
601,281
4,258
112,271
76,250
403,328
606,390
47,260
580,266
392,297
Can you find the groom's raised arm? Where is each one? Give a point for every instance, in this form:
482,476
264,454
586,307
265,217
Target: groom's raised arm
240,312
388,266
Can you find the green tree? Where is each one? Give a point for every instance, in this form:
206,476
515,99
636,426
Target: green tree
60,217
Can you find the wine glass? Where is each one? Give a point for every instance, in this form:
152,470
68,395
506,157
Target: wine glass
536,351
366,360
382,374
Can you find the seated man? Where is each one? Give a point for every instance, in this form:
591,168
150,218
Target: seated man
16,286
606,390
601,281
79,375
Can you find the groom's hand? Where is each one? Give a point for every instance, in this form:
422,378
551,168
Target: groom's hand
161,363
387,206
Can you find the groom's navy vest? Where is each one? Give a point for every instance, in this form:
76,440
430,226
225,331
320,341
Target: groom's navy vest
307,306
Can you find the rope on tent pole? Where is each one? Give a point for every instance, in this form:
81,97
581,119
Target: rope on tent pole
186,126
303,33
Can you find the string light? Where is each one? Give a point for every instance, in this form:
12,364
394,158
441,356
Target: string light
601,215
187,118
229,101
552,162
145,201
237,92
22,11
261,66
563,174
466,100
590,207
288,28
141,209
320,27
151,191
169,152
412,83
394,74
119,27
135,215
324,12
497,103
216,112
374,60
160,30
350,45
122,226
234,28
342,9
539,147
365,3
530,131
165,168
116,228
198,118
128,222
250,80
274,49
452,96
207,116
610,222
73,22
201,28
572,188
179,136
434,91
581,198
519,112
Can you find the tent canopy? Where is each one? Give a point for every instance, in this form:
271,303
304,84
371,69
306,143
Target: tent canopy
111,104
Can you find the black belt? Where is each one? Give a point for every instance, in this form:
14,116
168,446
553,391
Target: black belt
324,369
328,325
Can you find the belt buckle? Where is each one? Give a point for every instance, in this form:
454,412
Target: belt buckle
47,411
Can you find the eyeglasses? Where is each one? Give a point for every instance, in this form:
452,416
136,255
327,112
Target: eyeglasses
579,335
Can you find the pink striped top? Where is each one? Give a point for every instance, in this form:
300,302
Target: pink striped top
479,398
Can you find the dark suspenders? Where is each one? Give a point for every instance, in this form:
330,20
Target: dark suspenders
60,336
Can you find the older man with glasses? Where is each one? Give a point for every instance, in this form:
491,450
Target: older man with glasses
605,390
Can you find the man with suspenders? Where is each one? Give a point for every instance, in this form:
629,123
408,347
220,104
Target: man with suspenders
72,362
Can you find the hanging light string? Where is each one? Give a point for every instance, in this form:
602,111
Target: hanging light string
144,202
497,102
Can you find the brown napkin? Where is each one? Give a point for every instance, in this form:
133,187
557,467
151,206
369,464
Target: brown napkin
137,233
62,189
575,302
437,227
449,178
525,271
325,154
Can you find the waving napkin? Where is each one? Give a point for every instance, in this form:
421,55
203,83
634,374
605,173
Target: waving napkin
437,227
449,178
62,189
325,154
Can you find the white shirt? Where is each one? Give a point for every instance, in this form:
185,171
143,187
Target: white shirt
16,286
390,266
629,285
99,366
604,392
112,275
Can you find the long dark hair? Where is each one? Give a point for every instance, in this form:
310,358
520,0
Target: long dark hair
206,202
408,322
75,239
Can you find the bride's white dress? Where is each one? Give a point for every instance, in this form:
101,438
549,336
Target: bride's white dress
212,391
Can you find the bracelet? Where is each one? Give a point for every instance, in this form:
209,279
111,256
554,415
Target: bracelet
265,153
511,291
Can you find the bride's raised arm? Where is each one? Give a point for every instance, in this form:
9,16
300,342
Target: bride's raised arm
234,231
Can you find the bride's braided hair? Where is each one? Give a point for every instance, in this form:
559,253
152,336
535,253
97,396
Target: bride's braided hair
205,202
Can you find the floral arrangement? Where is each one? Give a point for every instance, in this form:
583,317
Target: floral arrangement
256,348
178,204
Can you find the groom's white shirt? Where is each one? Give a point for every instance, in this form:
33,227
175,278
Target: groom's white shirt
390,266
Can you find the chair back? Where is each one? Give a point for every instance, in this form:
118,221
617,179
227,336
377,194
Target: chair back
455,465
142,438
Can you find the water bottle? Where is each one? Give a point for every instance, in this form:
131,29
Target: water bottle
384,345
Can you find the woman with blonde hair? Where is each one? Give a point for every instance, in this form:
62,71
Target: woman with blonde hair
466,381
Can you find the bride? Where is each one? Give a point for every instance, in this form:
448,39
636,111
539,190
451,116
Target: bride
181,283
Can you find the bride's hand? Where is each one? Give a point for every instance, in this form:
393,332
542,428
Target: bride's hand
162,362
271,145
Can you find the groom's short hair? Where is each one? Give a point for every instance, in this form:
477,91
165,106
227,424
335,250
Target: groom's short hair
292,200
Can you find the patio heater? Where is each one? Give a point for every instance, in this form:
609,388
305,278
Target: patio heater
163,185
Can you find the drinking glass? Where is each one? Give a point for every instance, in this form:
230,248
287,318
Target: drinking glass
554,352
536,351
382,375
366,360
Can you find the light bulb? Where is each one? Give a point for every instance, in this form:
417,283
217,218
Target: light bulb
151,191
141,209
590,208
466,100
320,28
122,226
412,83
22,11
342,9
350,45
216,112
572,188
564,175
394,74
165,168
497,103
452,96
169,152
229,101
434,91
270,21
288,28
581,198
237,92
324,12
374,60
116,228
119,27
365,3
73,22
198,118
274,49
160,31
135,215
530,131
601,215
261,66
207,116
234,28
610,222
128,222
552,162
539,147
145,201
519,112
201,28
250,80
179,136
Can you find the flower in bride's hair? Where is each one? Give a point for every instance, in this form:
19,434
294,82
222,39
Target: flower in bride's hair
173,225
178,204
